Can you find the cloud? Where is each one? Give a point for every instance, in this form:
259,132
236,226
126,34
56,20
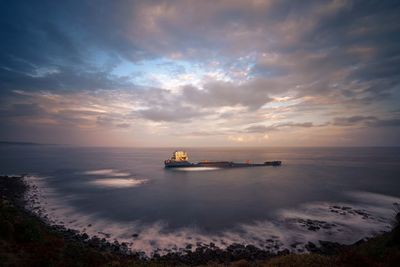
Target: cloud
259,66
219,94
370,121
277,127
22,110
385,123
123,125
177,113
351,121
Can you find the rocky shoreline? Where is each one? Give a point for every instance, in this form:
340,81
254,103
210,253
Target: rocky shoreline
269,247
13,190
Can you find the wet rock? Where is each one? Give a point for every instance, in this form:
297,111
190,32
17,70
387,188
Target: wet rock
361,241
313,228
315,225
104,234
156,256
329,248
252,248
235,247
94,241
284,252
294,245
328,225
124,248
311,247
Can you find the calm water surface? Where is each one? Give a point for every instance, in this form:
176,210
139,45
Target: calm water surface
128,187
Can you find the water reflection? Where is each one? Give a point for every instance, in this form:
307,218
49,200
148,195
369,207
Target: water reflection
118,183
108,172
195,169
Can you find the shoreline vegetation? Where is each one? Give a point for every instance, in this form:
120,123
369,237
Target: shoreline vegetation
26,240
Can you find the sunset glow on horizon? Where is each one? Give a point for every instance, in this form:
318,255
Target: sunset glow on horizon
200,73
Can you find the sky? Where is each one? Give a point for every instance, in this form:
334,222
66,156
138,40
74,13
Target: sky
200,73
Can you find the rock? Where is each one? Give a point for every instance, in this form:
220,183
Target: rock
284,252
311,247
293,245
94,241
361,241
313,228
104,234
329,248
156,255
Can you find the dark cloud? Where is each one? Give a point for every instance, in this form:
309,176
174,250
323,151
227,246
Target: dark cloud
259,129
173,114
62,79
385,123
312,38
111,121
123,125
22,110
276,127
353,120
370,121
48,46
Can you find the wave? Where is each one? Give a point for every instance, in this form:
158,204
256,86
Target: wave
291,229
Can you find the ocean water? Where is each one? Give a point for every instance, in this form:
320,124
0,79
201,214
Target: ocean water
125,194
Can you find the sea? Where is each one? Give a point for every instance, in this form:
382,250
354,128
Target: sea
126,195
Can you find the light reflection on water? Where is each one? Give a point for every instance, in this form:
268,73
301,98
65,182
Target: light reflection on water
118,183
195,169
108,172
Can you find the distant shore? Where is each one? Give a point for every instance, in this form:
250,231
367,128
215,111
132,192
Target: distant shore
27,240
